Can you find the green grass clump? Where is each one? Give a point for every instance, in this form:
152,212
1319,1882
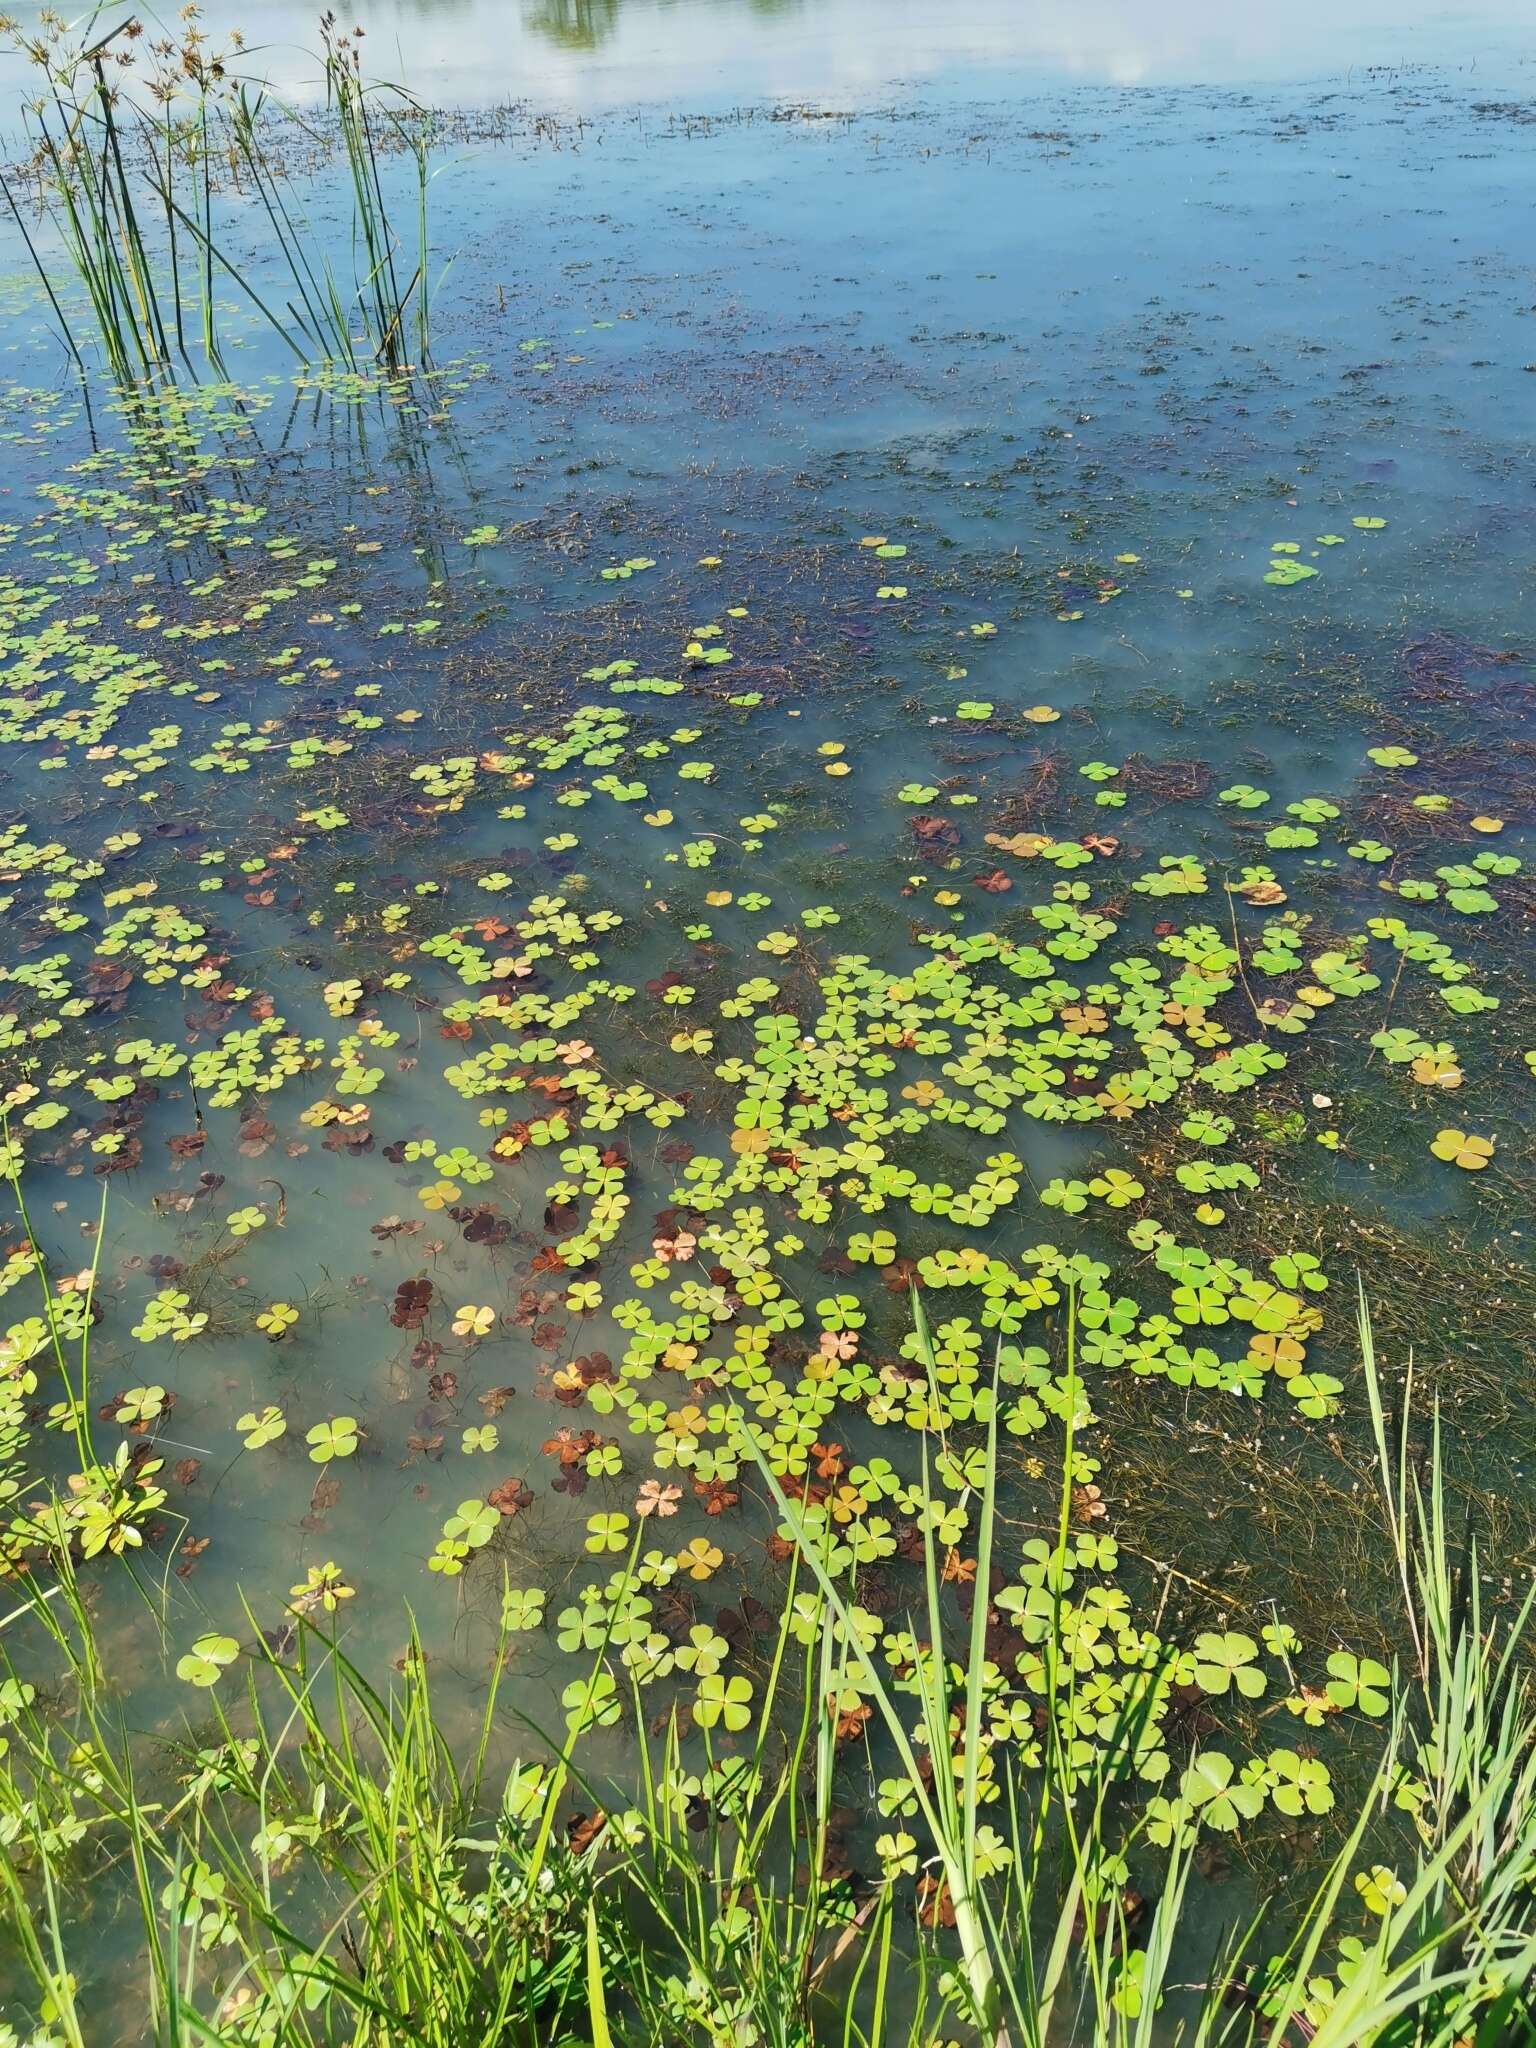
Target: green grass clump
132,139
321,1861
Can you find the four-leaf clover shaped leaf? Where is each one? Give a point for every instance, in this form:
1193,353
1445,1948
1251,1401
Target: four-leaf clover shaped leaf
334,1439
725,1701
1358,1682
1228,1661
1207,1788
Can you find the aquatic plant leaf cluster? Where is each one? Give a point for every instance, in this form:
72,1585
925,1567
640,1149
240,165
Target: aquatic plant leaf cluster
746,1160
691,1136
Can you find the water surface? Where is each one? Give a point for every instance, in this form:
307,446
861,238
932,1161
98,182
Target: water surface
1099,323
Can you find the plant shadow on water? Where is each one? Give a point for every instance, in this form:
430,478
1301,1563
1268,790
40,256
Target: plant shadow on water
747,959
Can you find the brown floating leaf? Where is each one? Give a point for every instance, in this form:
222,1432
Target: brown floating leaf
850,1726
484,1226
531,1304
570,1446
413,1298
510,1497
930,831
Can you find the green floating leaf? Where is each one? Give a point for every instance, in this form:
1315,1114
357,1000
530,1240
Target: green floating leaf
205,1663
1284,571
1358,1682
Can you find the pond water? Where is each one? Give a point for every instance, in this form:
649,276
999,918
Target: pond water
1010,539
692,54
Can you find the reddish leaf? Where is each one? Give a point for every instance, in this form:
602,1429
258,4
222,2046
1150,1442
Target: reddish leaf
511,1497
413,1298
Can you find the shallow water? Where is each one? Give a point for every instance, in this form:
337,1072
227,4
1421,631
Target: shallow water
770,286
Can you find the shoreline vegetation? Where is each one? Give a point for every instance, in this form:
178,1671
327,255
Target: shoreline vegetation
318,1859
134,140
977,1808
